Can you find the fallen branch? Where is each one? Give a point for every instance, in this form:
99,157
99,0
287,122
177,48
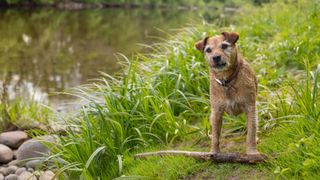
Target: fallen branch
217,157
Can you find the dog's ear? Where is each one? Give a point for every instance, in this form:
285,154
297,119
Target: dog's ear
201,44
231,37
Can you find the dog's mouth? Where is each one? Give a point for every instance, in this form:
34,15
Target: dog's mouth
218,65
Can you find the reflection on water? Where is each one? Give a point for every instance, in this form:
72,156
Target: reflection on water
50,50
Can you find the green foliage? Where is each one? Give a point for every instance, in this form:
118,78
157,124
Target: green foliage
297,142
162,97
24,113
139,109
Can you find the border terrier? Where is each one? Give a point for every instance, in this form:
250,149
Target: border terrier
233,86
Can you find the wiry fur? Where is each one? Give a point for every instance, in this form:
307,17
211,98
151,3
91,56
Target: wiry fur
240,94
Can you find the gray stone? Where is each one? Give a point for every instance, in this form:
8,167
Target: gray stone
33,148
6,154
4,171
1,176
13,139
30,169
11,177
27,176
47,175
20,170
12,169
34,164
15,163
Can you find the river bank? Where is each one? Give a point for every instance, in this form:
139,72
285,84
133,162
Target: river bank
78,5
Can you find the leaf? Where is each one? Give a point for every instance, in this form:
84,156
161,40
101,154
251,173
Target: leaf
120,164
277,170
93,155
284,170
309,162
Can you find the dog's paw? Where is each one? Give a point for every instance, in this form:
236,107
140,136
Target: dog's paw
215,151
253,152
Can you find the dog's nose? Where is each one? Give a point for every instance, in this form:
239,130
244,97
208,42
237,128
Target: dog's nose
216,58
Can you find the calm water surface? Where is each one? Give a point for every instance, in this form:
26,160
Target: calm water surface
46,51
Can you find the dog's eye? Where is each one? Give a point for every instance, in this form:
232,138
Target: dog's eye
208,50
224,46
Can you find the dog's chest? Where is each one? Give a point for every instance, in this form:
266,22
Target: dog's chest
232,107
231,104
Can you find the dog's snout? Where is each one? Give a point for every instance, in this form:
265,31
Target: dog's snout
216,58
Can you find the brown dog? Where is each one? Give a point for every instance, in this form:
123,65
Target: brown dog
233,86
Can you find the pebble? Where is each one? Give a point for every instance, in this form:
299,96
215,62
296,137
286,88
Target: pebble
12,169
11,177
47,175
6,154
33,148
20,170
30,169
1,176
34,164
27,176
14,163
4,171
13,139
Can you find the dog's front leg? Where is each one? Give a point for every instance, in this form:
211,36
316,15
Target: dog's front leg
216,123
252,120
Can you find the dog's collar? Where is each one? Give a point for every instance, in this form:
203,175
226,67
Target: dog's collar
226,83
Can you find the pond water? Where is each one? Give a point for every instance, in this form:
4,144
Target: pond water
44,51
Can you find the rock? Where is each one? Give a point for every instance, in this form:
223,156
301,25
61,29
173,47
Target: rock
12,177
20,170
30,169
12,169
15,163
1,176
13,139
4,171
34,164
27,176
33,148
6,154
47,175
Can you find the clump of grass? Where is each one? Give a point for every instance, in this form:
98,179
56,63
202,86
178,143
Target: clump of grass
297,142
22,112
25,113
148,105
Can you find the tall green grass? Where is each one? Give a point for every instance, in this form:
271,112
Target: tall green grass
148,105
162,97
23,112
296,143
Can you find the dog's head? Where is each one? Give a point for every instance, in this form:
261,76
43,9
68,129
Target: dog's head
220,51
